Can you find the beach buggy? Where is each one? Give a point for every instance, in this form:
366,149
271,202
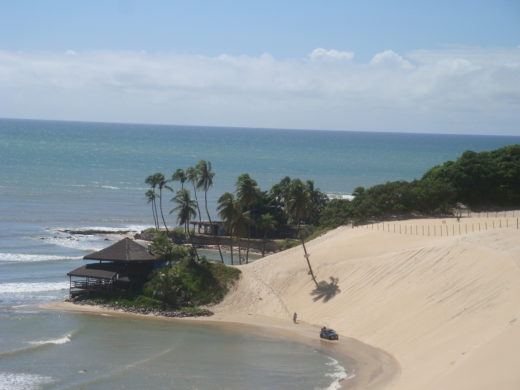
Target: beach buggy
328,334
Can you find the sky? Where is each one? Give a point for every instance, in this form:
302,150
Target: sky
362,65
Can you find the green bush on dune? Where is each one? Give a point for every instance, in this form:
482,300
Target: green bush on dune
191,282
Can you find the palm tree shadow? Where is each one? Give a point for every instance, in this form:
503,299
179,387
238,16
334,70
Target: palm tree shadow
326,291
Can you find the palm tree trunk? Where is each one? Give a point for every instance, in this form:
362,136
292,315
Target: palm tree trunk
231,247
247,249
307,257
153,213
211,226
239,252
197,201
162,215
191,242
155,217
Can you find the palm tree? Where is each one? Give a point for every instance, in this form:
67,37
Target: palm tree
161,183
205,181
151,195
185,212
298,207
266,224
192,176
228,213
152,181
241,226
179,175
247,194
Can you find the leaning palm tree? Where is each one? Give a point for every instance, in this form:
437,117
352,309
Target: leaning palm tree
179,175
185,212
298,207
266,224
151,196
247,194
192,175
205,181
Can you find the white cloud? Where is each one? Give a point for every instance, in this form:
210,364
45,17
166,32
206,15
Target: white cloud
320,54
390,58
462,90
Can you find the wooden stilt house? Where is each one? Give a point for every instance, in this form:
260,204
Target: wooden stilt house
121,266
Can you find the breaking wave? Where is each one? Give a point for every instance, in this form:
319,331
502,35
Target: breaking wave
62,340
338,374
16,288
22,381
29,258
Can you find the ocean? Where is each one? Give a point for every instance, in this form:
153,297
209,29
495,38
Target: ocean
74,175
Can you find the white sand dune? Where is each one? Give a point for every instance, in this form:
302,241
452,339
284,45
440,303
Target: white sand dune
447,308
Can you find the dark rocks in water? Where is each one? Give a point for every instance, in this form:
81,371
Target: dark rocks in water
142,310
92,232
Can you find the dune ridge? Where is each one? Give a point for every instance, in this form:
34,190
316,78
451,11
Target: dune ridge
447,308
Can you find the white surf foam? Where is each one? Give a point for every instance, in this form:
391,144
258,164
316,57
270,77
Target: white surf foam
83,243
62,340
110,187
15,288
88,242
22,381
340,196
338,374
28,258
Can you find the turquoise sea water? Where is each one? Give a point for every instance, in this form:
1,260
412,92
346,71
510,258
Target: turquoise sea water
57,175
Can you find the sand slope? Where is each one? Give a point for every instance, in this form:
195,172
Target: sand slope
447,308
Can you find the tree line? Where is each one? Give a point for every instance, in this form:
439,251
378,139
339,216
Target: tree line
486,179
478,180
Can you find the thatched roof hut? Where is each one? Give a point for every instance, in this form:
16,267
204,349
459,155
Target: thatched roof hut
121,265
124,251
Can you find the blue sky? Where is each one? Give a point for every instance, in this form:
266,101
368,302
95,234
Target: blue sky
421,66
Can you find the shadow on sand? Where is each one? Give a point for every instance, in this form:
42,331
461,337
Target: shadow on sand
326,291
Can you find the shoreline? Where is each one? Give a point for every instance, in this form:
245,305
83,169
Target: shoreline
373,368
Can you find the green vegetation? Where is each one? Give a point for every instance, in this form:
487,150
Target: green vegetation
478,180
180,285
294,208
190,282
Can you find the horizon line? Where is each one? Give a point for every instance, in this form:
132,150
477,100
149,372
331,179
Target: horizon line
258,128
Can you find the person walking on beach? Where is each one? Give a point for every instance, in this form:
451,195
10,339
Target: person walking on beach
295,317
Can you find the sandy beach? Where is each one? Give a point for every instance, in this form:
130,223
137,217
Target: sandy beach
416,310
